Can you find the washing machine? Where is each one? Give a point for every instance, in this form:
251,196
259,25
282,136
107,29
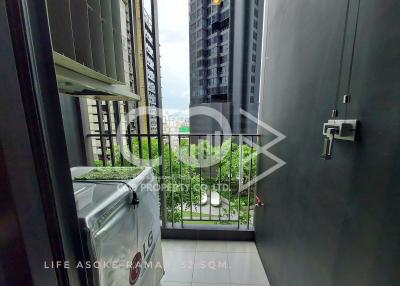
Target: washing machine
120,229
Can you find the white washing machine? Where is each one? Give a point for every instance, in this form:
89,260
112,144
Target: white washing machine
120,229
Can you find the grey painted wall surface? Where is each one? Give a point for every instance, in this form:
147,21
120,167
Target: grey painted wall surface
332,223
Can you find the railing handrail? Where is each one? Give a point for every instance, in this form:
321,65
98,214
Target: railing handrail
167,134
237,204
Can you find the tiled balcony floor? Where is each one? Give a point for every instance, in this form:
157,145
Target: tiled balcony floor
205,263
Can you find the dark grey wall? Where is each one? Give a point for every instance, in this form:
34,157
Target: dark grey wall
332,223
73,130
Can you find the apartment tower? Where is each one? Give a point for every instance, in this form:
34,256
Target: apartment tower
225,48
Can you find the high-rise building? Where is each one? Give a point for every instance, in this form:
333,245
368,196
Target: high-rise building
225,48
153,96
148,65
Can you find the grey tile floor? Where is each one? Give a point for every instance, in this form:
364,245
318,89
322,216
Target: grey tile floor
205,263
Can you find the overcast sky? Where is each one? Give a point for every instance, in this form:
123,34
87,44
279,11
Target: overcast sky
173,17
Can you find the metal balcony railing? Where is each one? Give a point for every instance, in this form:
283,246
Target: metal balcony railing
205,179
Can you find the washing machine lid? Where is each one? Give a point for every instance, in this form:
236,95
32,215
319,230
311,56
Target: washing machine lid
99,200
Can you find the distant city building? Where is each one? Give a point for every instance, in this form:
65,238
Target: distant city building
225,48
148,65
153,97
175,124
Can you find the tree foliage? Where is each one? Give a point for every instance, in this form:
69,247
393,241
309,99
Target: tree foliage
186,179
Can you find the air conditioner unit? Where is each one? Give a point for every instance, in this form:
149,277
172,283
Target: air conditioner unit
91,48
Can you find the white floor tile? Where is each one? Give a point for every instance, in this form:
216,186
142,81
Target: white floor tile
209,284
216,263
246,268
180,245
211,268
178,266
241,246
248,285
164,245
211,246
175,284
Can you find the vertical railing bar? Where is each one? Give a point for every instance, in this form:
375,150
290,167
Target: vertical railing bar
149,149
142,158
101,129
180,177
117,123
162,179
220,169
255,174
210,169
251,174
230,180
171,182
249,189
190,180
110,138
138,129
128,131
112,150
200,165
240,174
130,142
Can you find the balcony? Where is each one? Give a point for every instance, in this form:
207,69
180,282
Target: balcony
205,180
326,222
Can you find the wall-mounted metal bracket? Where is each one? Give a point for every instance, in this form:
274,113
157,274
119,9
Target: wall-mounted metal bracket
337,130
346,129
